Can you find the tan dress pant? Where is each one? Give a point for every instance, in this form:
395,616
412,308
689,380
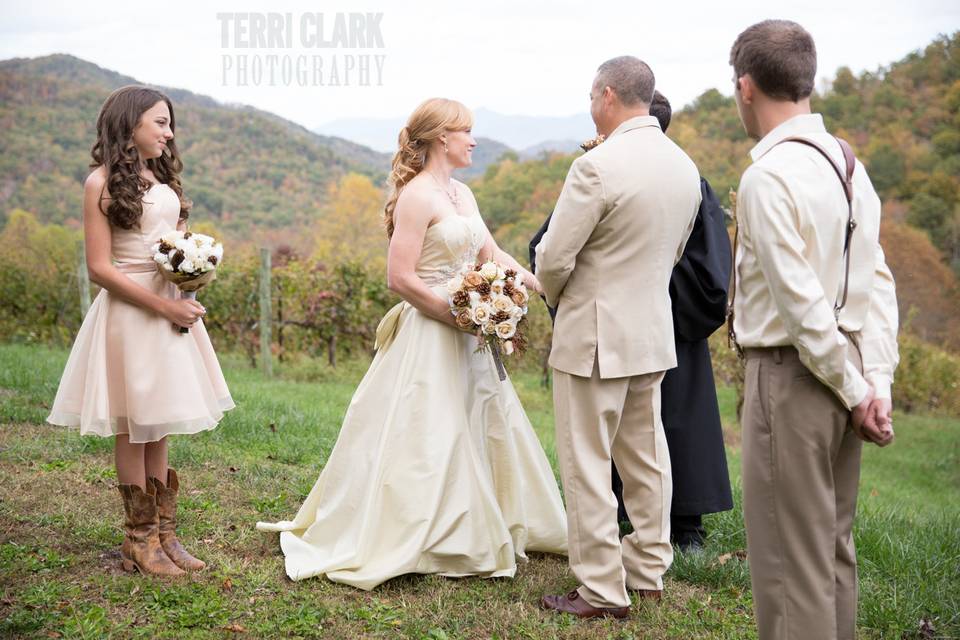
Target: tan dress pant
801,467
618,418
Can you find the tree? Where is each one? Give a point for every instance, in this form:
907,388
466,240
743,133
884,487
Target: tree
350,227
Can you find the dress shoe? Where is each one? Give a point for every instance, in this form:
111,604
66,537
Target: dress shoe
647,594
690,547
573,603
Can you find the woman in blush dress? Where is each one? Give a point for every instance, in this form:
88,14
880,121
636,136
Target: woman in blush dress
437,468
130,374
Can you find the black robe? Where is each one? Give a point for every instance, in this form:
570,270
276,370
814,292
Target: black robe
691,416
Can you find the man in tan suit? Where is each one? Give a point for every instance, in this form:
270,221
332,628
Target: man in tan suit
815,311
620,225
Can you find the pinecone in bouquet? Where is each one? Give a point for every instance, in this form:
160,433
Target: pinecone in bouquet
491,302
188,260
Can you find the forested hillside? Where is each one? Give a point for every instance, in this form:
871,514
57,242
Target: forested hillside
904,124
242,167
258,180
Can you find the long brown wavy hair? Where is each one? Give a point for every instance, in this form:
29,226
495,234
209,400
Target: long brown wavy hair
426,124
116,152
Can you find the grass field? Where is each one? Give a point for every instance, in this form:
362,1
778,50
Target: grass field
60,530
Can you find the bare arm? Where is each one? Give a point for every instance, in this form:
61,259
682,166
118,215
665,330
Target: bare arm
97,233
412,216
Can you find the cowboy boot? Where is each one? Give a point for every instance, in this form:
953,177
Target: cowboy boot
167,509
141,548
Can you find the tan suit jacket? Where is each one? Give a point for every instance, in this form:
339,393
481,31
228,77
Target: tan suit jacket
622,220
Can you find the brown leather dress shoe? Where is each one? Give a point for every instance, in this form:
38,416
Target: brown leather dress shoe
573,603
648,594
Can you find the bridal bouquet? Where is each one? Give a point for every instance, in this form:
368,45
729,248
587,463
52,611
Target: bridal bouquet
491,302
188,260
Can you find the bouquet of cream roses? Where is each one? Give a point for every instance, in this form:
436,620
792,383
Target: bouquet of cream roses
188,260
491,302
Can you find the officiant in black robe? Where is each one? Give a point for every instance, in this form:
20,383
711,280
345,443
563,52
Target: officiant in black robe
689,409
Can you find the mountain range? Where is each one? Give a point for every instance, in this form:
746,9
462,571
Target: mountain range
527,135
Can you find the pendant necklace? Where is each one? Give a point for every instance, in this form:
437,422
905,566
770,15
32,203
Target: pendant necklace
453,197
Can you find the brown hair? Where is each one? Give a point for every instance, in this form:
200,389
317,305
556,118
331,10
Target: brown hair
426,124
780,57
115,151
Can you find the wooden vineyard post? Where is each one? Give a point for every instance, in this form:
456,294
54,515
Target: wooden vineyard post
265,313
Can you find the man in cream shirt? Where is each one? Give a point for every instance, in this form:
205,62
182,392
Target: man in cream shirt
620,225
818,371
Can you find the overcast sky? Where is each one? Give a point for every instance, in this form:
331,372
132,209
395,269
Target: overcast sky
533,58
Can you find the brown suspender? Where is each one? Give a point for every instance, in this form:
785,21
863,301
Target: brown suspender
731,333
846,180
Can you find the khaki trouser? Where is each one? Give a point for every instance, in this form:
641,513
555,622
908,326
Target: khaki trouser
620,418
801,466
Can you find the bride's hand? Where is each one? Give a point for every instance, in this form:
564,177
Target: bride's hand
452,321
530,282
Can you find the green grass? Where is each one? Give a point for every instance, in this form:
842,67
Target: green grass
60,528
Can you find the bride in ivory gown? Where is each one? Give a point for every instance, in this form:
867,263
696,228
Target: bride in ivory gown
437,468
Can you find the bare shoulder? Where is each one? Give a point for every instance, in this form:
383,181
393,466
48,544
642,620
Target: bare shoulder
415,204
96,180
95,192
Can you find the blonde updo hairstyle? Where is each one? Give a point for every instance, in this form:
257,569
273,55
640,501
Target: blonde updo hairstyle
429,121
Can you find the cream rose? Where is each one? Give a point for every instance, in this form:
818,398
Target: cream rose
502,303
489,270
490,328
481,313
455,284
506,330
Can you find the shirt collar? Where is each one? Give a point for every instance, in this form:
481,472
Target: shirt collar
804,124
635,122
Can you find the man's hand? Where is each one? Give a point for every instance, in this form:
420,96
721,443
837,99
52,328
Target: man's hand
861,413
880,414
871,419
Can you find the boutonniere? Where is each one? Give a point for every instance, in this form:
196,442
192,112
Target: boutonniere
591,143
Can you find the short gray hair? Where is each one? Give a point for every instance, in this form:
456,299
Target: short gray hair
630,78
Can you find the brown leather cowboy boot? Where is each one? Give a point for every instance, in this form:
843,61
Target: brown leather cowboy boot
167,508
141,548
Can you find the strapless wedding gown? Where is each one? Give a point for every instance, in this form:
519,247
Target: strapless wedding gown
437,468
129,371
